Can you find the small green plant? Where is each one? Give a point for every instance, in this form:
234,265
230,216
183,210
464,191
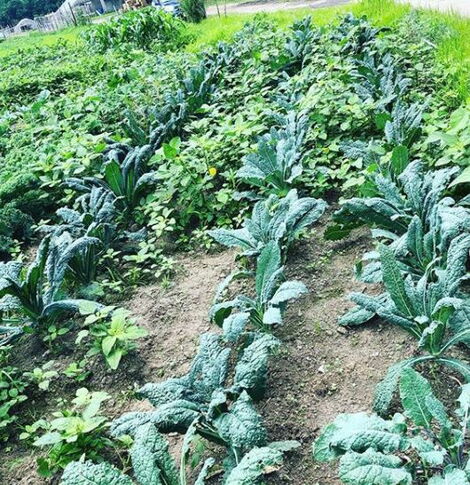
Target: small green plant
52,333
42,376
112,332
424,444
272,295
277,163
34,292
12,392
274,219
73,432
77,371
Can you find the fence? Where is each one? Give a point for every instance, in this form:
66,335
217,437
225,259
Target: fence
66,16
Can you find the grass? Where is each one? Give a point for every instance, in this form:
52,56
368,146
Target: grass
454,51
38,39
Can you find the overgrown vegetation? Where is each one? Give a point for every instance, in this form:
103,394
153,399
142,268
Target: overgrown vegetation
158,155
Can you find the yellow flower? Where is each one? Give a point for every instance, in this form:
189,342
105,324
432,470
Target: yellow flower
212,171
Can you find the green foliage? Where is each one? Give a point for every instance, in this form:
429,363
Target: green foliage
74,432
112,333
12,392
277,163
265,310
144,28
422,441
42,376
193,10
273,219
34,292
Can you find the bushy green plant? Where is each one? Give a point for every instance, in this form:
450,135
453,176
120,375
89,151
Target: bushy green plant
277,163
423,444
34,292
12,392
143,28
266,309
112,332
74,432
125,175
193,10
276,219
151,460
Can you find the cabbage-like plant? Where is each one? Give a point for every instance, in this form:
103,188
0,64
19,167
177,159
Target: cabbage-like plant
272,294
425,245
34,292
379,79
153,464
424,442
95,217
434,312
355,35
300,44
200,397
404,125
416,192
199,404
273,219
125,175
277,163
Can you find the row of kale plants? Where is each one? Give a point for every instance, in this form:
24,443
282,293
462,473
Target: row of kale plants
216,400
67,261
422,250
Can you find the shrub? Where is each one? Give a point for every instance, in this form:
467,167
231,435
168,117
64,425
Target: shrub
193,10
142,28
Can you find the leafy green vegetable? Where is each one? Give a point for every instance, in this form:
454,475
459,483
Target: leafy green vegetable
272,295
273,219
374,450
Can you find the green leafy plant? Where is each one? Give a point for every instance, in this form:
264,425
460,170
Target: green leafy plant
13,385
272,294
42,376
394,204
273,219
152,460
277,163
112,332
193,10
127,178
77,371
422,446
142,28
74,432
434,312
35,292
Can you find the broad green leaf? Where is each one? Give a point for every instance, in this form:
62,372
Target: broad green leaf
418,400
373,468
394,282
87,473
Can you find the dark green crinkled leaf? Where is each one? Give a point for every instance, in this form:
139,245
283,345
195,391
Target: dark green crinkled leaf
87,473
151,461
373,468
252,367
242,426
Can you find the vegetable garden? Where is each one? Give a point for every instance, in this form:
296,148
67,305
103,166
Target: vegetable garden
181,228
